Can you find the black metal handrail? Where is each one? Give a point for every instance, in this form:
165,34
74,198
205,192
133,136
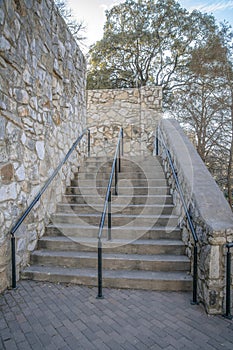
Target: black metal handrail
116,167
228,282
36,199
179,188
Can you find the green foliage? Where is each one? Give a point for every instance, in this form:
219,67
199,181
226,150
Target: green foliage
157,42
146,42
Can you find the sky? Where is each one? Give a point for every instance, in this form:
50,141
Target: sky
92,12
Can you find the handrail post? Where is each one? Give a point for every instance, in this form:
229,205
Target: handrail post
107,206
88,142
13,262
119,158
109,216
122,142
194,301
100,279
228,285
157,142
116,178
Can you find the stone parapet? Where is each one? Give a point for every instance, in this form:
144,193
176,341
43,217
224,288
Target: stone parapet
138,111
209,210
42,112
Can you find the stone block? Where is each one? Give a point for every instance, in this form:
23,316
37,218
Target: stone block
20,173
4,44
23,111
7,173
40,149
3,152
21,96
8,192
2,106
214,262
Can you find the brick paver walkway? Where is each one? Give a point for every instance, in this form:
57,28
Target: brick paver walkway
54,316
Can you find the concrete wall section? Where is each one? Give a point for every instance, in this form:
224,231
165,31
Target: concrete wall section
211,214
42,112
136,110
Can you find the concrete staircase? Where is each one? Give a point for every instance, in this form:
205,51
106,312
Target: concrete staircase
146,251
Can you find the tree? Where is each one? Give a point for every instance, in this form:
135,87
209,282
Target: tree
146,42
77,28
227,41
205,105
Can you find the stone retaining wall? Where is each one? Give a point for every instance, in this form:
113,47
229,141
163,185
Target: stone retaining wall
138,111
42,112
210,212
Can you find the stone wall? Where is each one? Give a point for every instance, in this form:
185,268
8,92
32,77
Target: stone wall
136,110
210,212
42,112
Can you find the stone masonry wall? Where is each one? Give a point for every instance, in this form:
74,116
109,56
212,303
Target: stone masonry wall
136,110
210,212
42,112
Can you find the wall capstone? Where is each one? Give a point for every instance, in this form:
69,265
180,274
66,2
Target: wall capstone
209,210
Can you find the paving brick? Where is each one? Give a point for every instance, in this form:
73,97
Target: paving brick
9,345
58,341
24,346
99,344
57,317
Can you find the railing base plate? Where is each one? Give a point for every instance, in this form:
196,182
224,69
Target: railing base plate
229,317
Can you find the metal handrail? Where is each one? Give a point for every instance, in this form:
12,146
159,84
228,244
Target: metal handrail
228,282
195,238
36,199
107,205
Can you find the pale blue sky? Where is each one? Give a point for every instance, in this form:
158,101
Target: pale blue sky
92,12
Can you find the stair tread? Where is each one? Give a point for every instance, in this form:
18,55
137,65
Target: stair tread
120,186
162,216
115,256
125,274
141,257
115,228
168,242
119,205
125,195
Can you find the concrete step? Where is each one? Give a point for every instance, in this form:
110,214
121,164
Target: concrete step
122,175
128,232
123,199
147,280
121,189
125,161
126,181
145,252
129,167
61,243
117,219
111,261
156,209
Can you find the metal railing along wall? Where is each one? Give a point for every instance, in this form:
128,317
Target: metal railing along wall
228,282
160,139
116,168
36,199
